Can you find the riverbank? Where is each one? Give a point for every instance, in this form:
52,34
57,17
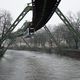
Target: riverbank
73,53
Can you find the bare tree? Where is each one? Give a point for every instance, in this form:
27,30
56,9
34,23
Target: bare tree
63,34
5,22
75,21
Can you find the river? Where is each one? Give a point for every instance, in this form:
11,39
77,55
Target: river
30,65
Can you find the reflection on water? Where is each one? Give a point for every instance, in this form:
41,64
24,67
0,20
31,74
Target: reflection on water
38,67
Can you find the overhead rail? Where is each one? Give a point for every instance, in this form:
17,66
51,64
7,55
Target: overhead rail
46,8
42,12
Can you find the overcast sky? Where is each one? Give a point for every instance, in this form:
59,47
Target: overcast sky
16,6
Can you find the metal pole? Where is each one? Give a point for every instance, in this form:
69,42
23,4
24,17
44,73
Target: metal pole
70,27
51,36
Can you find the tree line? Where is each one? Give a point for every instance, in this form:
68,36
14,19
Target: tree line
61,33
41,39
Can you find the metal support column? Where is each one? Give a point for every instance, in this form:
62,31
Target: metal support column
16,22
65,20
51,36
26,42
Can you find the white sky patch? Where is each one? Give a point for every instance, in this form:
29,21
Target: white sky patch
65,6
15,7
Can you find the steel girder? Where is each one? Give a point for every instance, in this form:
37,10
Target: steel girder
16,22
42,12
67,23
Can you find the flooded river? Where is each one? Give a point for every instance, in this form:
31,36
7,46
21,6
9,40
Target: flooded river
30,65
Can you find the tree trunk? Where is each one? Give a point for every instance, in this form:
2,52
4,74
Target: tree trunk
76,44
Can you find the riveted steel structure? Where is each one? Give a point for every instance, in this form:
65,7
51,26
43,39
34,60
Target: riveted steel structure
42,12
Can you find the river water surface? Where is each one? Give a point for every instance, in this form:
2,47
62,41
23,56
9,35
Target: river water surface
30,65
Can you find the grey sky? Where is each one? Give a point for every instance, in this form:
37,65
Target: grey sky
16,6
